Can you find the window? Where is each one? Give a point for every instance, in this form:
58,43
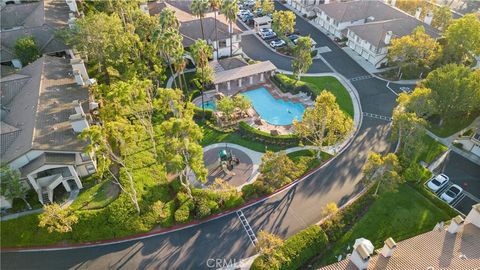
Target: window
222,44
85,157
90,168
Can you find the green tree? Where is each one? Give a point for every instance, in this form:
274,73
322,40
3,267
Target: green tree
242,103
419,101
267,244
168,20
267,7
416,51
277,170
442,17
329,209
172,47
230,9
462,40
10,185
324,123
408,129
283,22
382,171
302,56
57,219
201,52
26,50
199,8
455,90
226,106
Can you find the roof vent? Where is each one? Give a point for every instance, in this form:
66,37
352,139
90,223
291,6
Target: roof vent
456,224
474,216
363,249
388,247
418,12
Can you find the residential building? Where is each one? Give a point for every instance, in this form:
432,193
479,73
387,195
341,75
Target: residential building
456,246
38,20
369,26
191,29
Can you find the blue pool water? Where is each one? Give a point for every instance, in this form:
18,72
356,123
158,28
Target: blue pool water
209,105
274,111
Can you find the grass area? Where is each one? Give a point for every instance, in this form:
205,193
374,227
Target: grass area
453,125
432,150
400,215
333,85
307,158
95,197
211,136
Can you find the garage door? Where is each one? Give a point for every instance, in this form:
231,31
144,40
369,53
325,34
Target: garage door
476,150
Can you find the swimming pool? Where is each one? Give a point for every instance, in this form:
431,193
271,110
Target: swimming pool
274,111
209,105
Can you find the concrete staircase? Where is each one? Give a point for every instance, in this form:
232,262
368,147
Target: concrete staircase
45,198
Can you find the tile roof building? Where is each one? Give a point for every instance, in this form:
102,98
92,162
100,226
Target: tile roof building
369,26
455,247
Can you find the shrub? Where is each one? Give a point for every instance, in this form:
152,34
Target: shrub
182,214
168,210
198,113
296,250
250,132
287,84
26,50
202,207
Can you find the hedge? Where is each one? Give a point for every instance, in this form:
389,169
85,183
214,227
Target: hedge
432,198
250,132
296,250
293,86
198,113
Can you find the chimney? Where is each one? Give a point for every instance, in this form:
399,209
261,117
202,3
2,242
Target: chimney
361,256
428,18
474,215
388,37
79,70
393,2
456,224
418,12
388,247
72,5
78,122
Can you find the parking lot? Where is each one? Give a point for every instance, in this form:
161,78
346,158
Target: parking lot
465,174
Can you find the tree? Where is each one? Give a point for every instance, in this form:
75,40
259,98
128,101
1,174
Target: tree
201,52
408,129
267,244
382,171
199,8
416,51
258,4
277,169
168,20
172,47
302,56
10,186
26,50
283,22
159,210
324,123
419,101
57,219
267,7
215,5
455,90
230,9
442,17
228,105
462,40
329,209
242,103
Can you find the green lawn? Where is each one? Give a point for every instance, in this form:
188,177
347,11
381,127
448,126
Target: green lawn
432,150
95,197
453,125
211,136
333,85
400,215
308,158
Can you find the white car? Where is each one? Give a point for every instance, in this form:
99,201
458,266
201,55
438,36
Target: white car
451,194
437,182
277,43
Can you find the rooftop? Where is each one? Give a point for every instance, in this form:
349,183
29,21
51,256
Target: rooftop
236,73
38,102
192,31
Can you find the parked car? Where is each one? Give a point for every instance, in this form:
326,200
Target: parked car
277,43
293,37
437,182
268,35
451,194
259,12
247,18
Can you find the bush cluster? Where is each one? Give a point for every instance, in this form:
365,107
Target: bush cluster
252,133
287,84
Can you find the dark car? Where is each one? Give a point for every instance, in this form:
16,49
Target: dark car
293,37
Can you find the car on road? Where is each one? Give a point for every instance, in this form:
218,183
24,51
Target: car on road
437,182
451,193
277,43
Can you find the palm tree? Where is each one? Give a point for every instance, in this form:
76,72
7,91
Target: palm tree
214,5
179,63
198,8
230,9
201,52
171,47
167,19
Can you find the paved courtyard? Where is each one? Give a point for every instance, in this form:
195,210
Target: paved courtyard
243,171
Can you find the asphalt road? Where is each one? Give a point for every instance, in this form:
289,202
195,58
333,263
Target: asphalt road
283,214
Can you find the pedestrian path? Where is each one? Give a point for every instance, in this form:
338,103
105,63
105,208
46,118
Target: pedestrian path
360,78
248,229
376,116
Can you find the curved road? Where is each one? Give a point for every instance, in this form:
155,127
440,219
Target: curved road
283,214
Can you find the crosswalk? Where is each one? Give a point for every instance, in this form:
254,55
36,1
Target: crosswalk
376,116
359,78
246,226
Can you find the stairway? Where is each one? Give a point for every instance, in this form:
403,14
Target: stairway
45,198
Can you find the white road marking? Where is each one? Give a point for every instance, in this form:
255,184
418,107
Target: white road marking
246,226
376,116
388,86
359,78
